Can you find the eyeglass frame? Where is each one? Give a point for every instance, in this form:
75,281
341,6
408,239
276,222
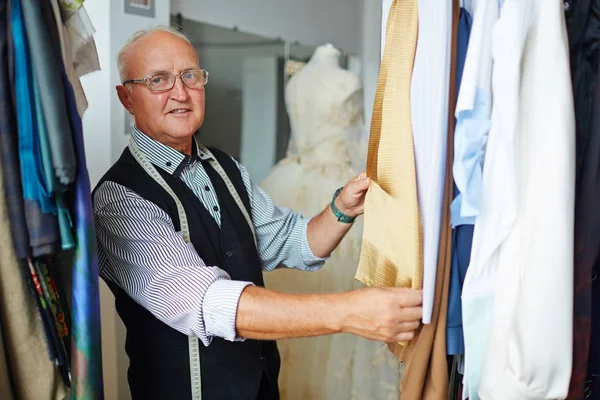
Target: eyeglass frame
147,78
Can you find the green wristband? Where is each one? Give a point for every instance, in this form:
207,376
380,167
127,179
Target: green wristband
341,217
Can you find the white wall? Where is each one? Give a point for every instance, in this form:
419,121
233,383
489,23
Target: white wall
103,126
122,27
370,52
259,115
96,131
311,22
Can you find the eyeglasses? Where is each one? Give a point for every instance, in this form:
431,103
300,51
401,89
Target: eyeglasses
163,81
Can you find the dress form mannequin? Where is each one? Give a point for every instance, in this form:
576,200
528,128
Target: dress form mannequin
324,103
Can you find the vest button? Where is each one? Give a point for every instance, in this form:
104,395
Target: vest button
262,359
229,253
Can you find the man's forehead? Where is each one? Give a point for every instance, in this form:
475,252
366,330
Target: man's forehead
162,52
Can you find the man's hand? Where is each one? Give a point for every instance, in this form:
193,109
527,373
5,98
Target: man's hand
351,200
324,231
384,314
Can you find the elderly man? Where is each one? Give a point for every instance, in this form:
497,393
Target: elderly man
183,238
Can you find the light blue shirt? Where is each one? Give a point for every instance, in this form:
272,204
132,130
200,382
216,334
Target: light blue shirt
470,139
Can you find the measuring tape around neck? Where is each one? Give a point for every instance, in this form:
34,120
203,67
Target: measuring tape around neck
217,167
193,343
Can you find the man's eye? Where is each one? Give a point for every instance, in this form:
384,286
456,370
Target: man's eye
158,79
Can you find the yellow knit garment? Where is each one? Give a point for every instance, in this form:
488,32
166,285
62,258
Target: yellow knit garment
391,253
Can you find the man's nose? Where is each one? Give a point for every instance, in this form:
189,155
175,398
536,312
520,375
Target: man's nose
179,91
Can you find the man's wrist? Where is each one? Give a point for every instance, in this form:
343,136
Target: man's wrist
339,211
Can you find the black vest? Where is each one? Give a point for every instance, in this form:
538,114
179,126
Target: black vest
159,360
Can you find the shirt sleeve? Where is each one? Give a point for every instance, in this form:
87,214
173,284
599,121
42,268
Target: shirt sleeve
281,233
140,251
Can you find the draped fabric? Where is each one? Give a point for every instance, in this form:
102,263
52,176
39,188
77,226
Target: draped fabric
45,55
390,256
86,347
45,208
33,373
8,139
425,363
6,390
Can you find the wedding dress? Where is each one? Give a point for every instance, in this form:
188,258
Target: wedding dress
324,103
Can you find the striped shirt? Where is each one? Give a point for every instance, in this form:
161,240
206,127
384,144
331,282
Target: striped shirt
139,249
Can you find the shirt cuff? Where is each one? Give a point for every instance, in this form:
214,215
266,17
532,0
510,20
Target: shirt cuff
219,308
311,261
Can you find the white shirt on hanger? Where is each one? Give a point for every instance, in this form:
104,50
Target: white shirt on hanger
521,271
429,117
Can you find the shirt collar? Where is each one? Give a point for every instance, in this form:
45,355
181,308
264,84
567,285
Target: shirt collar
165,157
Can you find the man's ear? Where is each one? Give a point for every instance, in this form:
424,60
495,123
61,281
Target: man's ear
124,97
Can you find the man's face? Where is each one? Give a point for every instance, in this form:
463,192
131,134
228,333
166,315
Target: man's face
170,117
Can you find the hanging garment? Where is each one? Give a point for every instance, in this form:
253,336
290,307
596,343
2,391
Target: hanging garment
429,119
490,231
86,357
391,256
29,156
593,375
10,170
586,324
23,333
324,103
473,111
42,227
462,235
46,57
529,172
80,57
6,391
583,23
24,336
426,368
44,236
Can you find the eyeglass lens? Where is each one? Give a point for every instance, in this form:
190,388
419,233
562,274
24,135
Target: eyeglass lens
164,81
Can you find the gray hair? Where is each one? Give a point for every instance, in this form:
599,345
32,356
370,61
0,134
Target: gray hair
121,56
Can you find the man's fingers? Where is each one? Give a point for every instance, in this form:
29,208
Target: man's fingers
409,326
412,313
360,176
409,297
405,336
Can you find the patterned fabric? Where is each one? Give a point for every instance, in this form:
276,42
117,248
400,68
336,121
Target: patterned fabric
87,355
